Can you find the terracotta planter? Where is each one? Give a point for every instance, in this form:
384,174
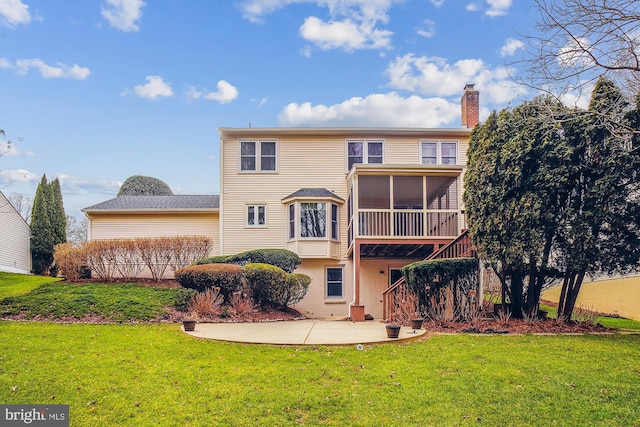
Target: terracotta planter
189,325
393,331
416,323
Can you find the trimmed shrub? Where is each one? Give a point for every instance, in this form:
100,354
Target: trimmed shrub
220,259
227,277
293,290
445,285
264,280
283,258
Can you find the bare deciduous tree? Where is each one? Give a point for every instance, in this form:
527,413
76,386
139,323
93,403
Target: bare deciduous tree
22,203
581,40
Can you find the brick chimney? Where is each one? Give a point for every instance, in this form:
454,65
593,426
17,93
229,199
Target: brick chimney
470,105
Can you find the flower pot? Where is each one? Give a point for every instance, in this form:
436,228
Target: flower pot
189,325
393,331
416,323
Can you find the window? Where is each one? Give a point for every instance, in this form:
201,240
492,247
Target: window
313,219
334,221
334,282
364,151
439,152
292,221
256,215
258,156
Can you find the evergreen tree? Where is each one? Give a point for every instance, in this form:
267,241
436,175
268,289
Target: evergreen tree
57,215
43,239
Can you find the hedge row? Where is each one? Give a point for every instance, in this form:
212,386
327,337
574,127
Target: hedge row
127,258
269,285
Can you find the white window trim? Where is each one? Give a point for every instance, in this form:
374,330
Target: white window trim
258,155
329,220
246,215
333,299
439,143
365,150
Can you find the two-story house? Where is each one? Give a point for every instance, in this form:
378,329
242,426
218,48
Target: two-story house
356,204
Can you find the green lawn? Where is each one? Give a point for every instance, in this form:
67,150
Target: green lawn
17,284
153,374
118,302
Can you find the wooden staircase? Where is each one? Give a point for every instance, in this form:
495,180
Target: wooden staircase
394,296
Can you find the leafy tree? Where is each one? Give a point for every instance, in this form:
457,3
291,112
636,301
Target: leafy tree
512,186
553,199
43,239
600,230
138,185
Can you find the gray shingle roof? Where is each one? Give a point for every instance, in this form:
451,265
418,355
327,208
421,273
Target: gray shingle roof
313,192
158,203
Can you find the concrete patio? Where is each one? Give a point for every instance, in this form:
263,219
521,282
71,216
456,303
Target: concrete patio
303,332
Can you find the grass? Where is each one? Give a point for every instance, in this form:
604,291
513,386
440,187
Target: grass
138,375
119,302
12,284
607,321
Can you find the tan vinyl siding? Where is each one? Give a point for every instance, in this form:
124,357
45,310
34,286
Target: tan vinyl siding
304,160
298,167
15,249
130,226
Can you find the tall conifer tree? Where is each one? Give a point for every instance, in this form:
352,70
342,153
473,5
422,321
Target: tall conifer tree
42,241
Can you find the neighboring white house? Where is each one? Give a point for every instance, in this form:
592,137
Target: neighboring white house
15,239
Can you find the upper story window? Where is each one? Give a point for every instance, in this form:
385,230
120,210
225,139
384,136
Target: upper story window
256,215
258,156
439,152
364,152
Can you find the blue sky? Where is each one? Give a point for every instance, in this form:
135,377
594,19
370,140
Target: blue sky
94,91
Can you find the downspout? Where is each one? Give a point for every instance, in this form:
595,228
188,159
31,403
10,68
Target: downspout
355,296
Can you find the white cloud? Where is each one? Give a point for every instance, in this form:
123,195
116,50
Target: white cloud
498,7
74,185
427,29
437,3
226,93
14,12
352,24
17,175
59,71
511,47
155,88
472,7
346,34
433,76
123,14
388,109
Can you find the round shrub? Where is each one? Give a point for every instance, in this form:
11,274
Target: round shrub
182,298
264,280
227,277
295,289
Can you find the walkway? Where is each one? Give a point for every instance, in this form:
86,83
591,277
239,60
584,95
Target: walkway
303,332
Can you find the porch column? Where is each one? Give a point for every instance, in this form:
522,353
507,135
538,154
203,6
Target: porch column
357,310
